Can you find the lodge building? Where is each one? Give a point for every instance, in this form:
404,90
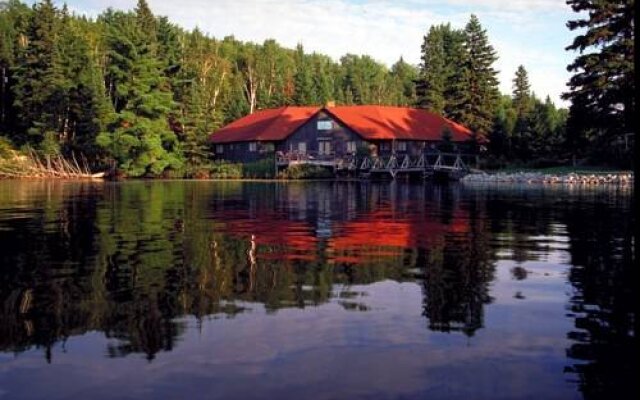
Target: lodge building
330,133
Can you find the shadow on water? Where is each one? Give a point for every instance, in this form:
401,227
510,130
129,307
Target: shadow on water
130,259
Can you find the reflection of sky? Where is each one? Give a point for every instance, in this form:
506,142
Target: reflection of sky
319,351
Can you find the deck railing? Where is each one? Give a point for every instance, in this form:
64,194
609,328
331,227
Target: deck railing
393,164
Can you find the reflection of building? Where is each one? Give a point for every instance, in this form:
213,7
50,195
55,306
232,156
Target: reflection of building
377,232
206,249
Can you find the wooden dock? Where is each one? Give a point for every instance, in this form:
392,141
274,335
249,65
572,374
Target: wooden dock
438,166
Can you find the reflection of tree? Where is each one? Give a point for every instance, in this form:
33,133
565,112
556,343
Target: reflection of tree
457,274
605,345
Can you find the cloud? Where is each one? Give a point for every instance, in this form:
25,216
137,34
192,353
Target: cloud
382,29
515,5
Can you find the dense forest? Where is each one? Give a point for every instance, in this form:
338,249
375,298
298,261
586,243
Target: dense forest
130,90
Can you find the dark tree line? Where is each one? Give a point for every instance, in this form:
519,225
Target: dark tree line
457,79
602,88
132,90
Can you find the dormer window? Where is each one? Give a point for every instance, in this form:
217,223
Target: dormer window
325,125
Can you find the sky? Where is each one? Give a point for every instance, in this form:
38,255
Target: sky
527,32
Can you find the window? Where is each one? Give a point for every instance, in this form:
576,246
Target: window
401,146
385,146
324,148
351,147
268,148
253,146
302,148
219,149
325,125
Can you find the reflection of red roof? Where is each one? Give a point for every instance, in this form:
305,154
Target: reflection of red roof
370,122
265,125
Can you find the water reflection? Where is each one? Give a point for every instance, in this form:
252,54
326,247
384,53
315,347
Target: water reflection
132,259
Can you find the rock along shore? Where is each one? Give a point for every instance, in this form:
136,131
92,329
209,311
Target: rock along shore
616,178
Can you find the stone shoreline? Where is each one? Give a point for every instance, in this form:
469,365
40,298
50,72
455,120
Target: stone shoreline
617,178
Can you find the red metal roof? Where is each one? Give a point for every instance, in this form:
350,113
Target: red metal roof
370,122
403,123
265,125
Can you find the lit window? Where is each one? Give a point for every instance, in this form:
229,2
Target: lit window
351,146
219,149
401,146
302,148
253,146
325,125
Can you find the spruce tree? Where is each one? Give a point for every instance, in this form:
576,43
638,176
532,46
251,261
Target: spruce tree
304,90
139,137
523,103
521,91
456,58
37,89
477,84
403,76
602,89
432,80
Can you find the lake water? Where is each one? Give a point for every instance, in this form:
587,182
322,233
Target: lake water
327,290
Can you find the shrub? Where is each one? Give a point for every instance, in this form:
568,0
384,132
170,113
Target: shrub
6,148
225,170
305,171
264,168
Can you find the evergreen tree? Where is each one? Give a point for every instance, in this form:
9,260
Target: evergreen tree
602,89
139,136
478,83
500,138
432,80
521,91
456,56
403,77
37,89
523,103
304,93
322,84
14,19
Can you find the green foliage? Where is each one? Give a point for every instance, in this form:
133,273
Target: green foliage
139,136
457,78
305,93
602,89
225,170
264,168
305,171
134,91
6,147
433,71
479,81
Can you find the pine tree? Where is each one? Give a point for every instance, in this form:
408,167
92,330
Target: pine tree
523,102
521,91
38,81
14,18
403,77
322,84
477,82
456,56
304,93
602,89
432,80
139,138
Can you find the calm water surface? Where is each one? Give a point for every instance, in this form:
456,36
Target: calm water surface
199,290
